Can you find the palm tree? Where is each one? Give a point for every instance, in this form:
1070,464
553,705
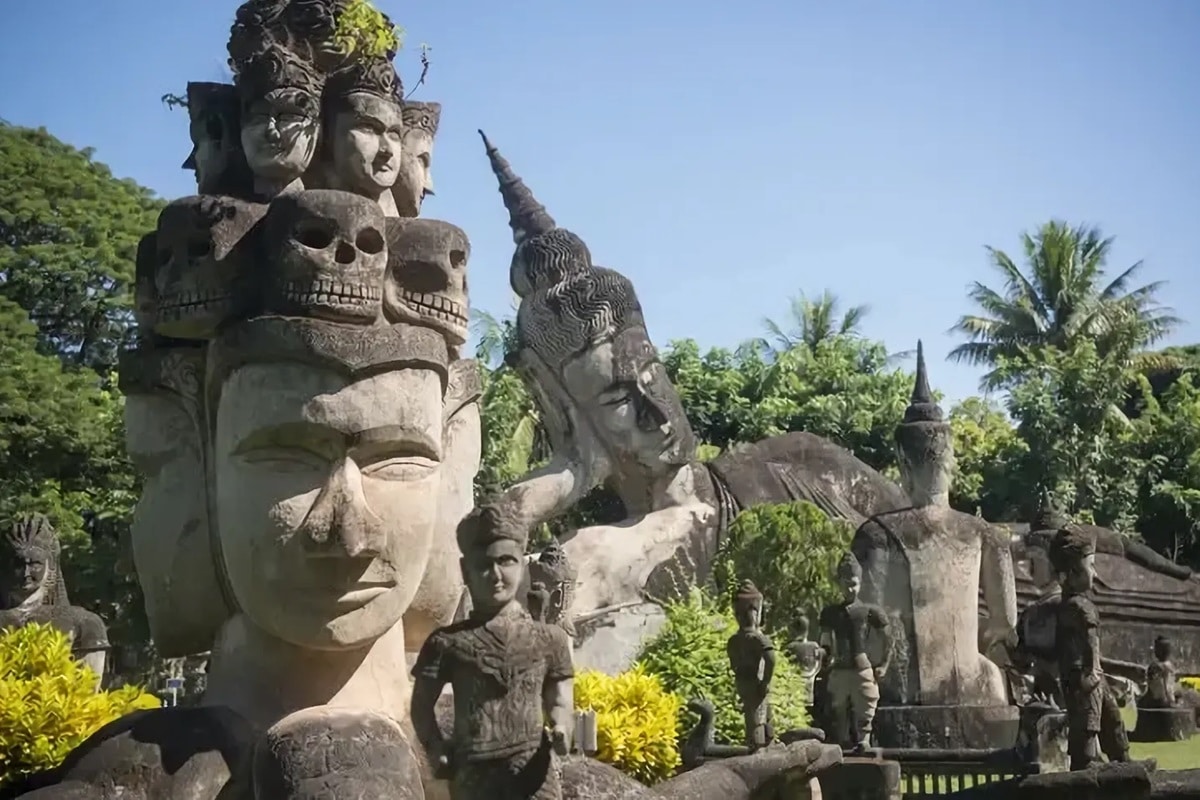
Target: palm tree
1059,300
813,321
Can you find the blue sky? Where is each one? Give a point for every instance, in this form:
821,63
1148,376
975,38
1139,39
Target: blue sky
726,156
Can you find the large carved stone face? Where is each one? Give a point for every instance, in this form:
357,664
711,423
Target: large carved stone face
366,140
328,493
216,155
329,256
280,132
623,388
925,452
23,571
205,258
427,276
416,175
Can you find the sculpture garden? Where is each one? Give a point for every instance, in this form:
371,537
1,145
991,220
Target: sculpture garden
570,564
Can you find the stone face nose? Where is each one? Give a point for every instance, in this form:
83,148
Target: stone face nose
339,524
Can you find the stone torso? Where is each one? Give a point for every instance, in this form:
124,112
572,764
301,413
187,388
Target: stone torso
1078,642
850,626
85,630
746,650
497,669
1160,684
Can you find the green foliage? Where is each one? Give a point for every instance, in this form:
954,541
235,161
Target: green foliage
636,722
688,656
986,450
363,29
48,701
790,551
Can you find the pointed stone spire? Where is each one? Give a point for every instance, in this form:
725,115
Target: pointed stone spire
921,407
1050,514
526,216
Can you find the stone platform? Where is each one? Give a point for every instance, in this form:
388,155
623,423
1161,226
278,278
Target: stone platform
1164,725
861,779
947,727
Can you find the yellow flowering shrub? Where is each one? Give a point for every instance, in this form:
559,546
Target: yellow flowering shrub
48,701
1191,682
635,722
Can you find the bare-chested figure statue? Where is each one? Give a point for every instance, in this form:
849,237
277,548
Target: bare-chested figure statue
752,657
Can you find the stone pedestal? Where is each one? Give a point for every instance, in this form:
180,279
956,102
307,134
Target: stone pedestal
1043,737
947,727
862,779
1107,782
1164,725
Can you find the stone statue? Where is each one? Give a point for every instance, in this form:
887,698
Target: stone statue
427,276
553,569
852,680
34,592
1162,681
509,674
1093,718
807,656
752,659
217,157
926,564
416,179
614,418
1035,653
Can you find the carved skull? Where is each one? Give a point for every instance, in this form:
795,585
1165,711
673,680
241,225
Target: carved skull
145,293
427,276
205,249
328,256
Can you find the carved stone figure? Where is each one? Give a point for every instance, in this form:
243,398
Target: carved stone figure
807,656
364,133
33,590
614,418
1093,718
217,157
1161,678
416,177
554,571
427,276
752,659
509,674
926,565
852,680
1036,652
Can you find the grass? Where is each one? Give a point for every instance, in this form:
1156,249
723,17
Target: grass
1170,755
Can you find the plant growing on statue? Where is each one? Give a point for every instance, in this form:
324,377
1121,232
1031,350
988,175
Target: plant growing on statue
363,29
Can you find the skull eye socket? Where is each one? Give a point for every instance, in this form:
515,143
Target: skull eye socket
458,259
369,241
314,235
199,249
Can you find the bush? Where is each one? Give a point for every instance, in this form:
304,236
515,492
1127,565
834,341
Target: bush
790,551
688,656
636,722
1191,682
48,701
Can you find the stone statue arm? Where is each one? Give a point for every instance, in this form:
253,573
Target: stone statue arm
879,619
428,682
551,490
558,704
768,658
999,583
1142,555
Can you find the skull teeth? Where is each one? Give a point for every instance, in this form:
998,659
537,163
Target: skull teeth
181,304
331,293
437,306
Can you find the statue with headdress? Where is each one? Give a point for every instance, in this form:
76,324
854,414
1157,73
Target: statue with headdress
33,590
509,674
752,658
852,680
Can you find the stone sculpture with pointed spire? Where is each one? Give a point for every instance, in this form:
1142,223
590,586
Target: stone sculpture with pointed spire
924,443
526,216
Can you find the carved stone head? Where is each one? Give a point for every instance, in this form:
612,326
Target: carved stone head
145,293
280,112
364,128
748,605
328,256
328,451
492,540
427,276
416,176
217,157
848,575
1164,649
554,571
173,540
205,264
29,570
925,445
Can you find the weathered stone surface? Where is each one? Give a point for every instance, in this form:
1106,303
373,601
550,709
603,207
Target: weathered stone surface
862,779
1128,781
427,276
1181,784
416,179
1164,725
217,157
973,727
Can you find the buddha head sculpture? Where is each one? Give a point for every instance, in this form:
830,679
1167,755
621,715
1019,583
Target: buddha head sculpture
416,176
848,575
327,454
1035,552
748,605
280,93
364,130
29,565
206,248
1073,556
328,256
171,534
217,157
925,445
427,276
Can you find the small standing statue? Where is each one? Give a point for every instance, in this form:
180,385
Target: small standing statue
807,655
1161,678
510,674
752,657
852,682
1093,717
553,571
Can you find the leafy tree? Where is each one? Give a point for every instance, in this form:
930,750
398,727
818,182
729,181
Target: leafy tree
987,450
68,236
1057,301
813,321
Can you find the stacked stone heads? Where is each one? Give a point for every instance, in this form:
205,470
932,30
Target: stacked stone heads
301,272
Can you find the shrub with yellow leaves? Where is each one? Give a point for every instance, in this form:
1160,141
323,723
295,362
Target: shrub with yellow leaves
1191,682
48,701
635,722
